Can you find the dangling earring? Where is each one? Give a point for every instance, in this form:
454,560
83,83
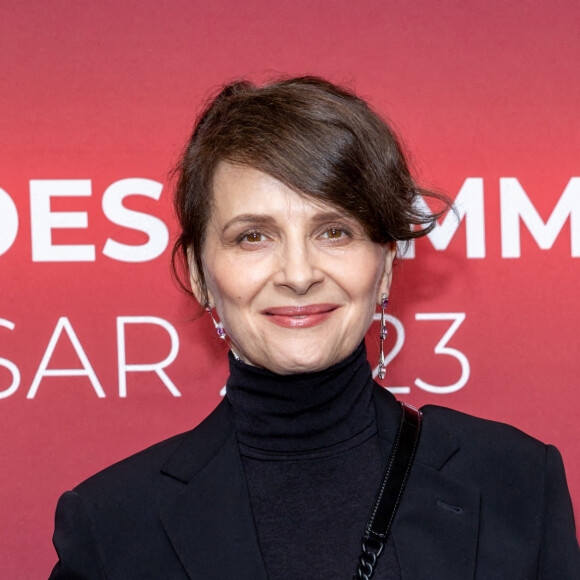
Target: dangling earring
382,336
219,327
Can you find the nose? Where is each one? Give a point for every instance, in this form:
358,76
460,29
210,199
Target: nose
297,268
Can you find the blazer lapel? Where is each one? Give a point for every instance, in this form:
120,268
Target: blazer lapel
210,523
436,527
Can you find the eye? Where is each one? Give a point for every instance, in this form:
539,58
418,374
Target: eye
251,237
335,233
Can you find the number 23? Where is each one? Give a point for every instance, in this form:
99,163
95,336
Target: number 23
441,347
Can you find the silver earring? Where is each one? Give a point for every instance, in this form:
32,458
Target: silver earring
219,327
382,336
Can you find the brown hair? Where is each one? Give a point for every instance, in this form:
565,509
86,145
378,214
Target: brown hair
320,140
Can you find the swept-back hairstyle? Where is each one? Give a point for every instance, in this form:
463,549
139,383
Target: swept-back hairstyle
320,140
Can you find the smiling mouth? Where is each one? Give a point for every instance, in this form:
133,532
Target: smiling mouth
300,316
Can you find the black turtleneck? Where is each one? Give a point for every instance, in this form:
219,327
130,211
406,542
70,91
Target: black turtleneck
313,463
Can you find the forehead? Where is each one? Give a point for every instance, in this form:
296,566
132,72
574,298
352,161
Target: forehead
240,189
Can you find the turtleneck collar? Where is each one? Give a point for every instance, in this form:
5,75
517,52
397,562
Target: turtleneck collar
302,413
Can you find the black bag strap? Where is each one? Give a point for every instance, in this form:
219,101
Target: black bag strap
390,491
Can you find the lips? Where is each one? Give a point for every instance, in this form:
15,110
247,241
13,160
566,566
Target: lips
300,316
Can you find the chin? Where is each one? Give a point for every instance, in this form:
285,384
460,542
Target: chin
287,362
299,367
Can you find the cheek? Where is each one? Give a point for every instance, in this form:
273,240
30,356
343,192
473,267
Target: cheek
232,285
363,280
367,293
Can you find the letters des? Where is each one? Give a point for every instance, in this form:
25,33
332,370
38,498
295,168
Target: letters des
44,220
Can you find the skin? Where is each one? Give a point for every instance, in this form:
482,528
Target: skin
268,247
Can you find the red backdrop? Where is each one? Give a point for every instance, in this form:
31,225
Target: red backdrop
97,100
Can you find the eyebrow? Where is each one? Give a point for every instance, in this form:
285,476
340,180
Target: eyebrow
260,219
249,218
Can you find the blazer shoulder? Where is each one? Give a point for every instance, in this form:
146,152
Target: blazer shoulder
484,450
475,432
142,470
133,471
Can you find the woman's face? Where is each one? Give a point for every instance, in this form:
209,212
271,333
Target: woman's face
294,282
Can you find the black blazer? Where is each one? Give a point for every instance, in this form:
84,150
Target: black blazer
483,501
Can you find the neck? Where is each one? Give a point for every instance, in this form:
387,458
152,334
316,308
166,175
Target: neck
302,412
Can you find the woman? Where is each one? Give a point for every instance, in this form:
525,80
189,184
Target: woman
291,198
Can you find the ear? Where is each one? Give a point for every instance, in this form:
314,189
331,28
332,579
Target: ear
390,251
198,288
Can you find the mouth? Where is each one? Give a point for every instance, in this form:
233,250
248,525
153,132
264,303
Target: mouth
300,316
